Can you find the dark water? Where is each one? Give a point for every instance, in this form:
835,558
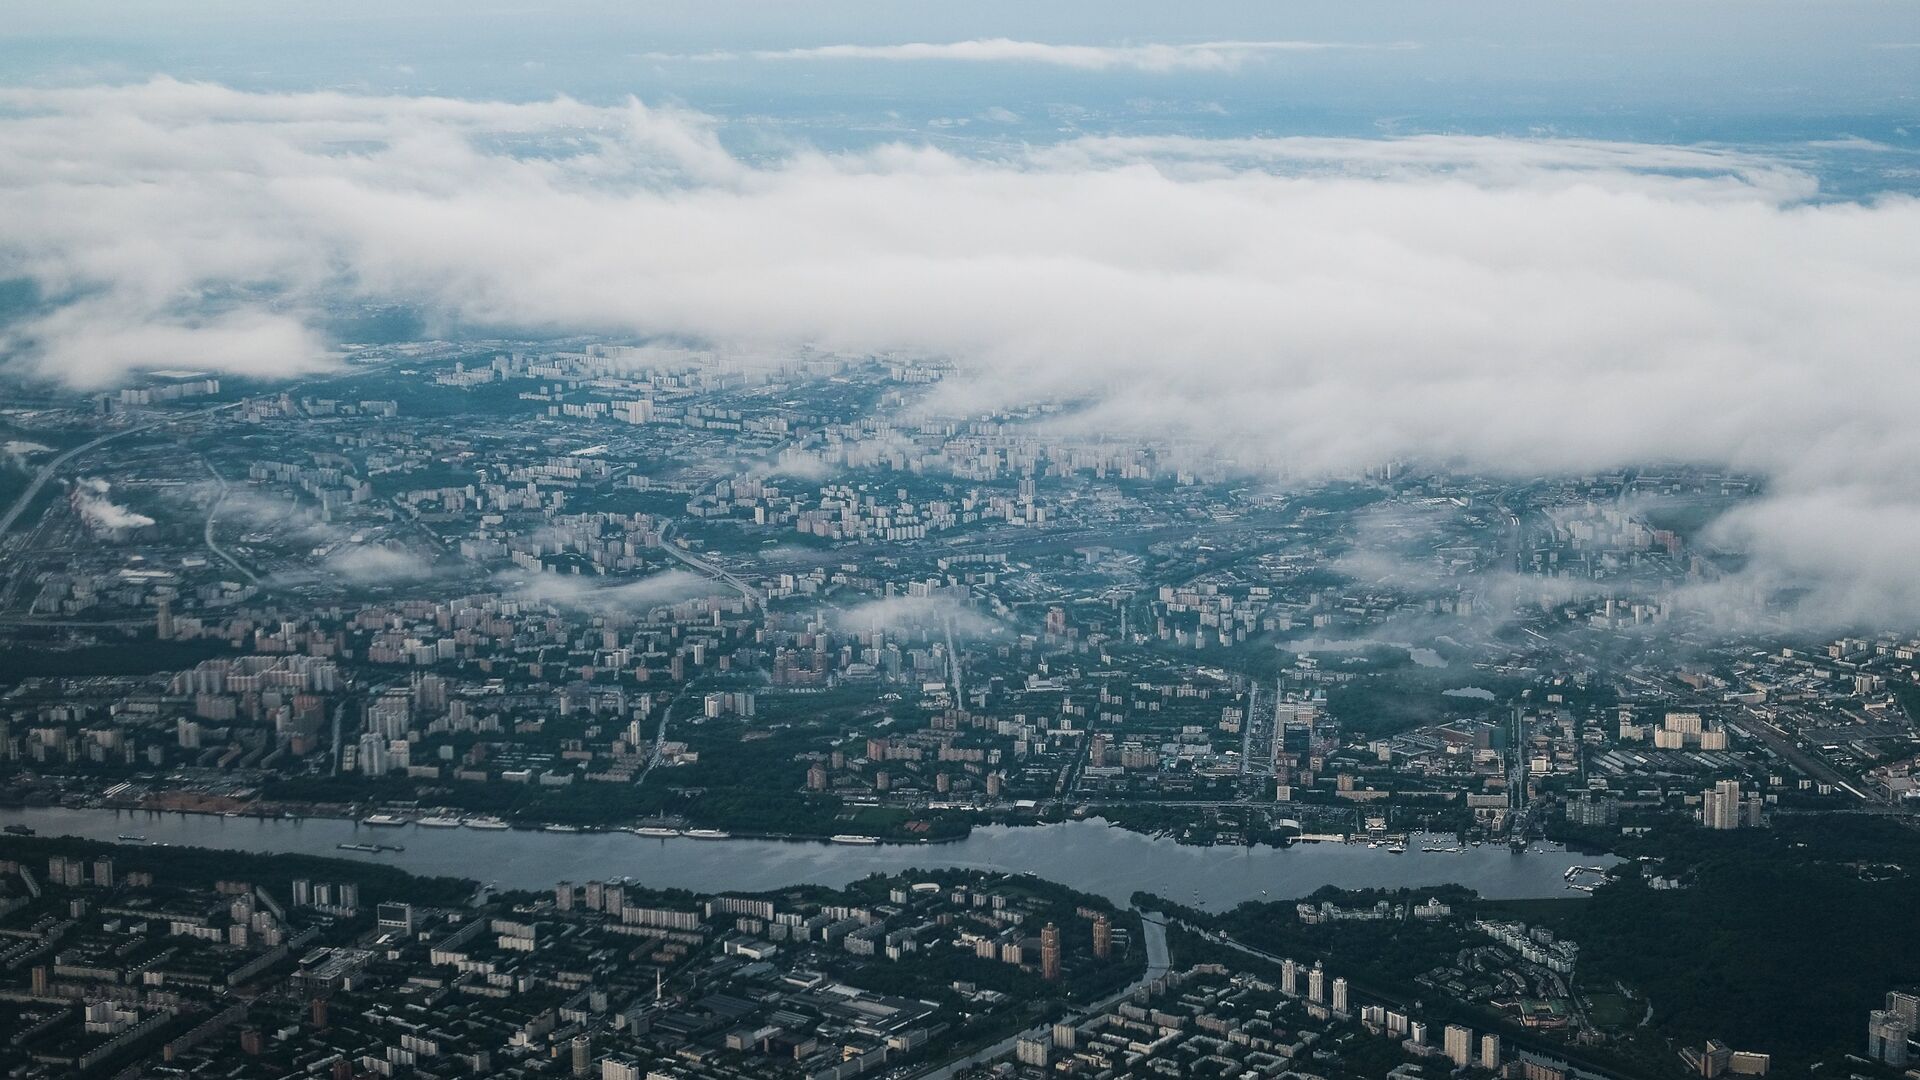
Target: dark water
1087,855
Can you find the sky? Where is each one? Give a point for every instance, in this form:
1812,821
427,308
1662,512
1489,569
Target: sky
1515,237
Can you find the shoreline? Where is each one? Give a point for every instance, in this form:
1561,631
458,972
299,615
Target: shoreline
358,819
1089,854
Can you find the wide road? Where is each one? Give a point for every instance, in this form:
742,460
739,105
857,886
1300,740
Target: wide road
752,595
660,735
48,470
1153,928
213,545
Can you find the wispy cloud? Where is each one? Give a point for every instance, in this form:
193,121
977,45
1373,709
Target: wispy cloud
99,512
1152,57
369,564
931,615
634,594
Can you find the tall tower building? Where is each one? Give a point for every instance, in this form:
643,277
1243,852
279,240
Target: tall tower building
1720,806
1458,1045
1317,984
1289,978
1050,952
1102,936
1490,1051
1887,1036
1340,996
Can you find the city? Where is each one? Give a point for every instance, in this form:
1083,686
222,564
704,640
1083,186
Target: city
706,554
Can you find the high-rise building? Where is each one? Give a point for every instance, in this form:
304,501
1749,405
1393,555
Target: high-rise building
373,757
1340,996
1050,952
582,1055
1720,805
563,896
1715,1058
1490,1051
1065,1037
1317,984
1102,936
1887,1035
1289,978
1458,1045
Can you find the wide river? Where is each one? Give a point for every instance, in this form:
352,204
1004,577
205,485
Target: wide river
1088,855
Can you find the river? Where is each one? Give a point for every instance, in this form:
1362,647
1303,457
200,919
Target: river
1087,855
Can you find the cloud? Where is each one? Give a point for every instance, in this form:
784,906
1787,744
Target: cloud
629,595
905,614
368,564
91,502
1306,305
17,451
1158,58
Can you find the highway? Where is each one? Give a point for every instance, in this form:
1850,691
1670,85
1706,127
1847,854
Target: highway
725,577
213,545
953,665
48,470
660,735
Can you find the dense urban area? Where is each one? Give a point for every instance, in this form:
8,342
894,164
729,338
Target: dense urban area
664,593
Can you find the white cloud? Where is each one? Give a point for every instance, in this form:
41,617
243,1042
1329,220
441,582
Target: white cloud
1153,57
99,512
1507,304
368,564
906,614
637,594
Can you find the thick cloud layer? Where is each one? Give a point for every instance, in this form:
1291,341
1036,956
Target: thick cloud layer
1521,305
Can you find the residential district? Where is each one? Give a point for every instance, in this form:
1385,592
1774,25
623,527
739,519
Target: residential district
582,586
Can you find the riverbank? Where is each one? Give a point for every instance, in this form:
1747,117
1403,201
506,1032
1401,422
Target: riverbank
1088,855
397,814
